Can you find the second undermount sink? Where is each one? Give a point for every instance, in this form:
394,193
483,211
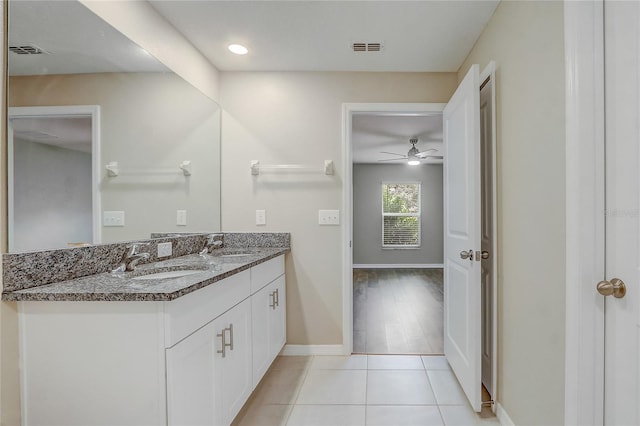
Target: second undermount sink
168,274
233,253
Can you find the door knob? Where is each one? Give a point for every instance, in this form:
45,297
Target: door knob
466,254
615,288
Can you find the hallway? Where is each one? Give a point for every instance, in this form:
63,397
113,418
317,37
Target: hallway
398,311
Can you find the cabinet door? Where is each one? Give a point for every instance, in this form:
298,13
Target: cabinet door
233,378
205,386
278,320
191,390
268,307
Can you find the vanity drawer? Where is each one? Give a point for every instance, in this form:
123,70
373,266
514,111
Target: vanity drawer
264,273
188,313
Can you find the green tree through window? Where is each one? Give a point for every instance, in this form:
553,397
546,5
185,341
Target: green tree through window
400,215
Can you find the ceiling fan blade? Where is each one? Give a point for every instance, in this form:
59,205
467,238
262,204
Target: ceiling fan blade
425,153
434,157
394,159
392,153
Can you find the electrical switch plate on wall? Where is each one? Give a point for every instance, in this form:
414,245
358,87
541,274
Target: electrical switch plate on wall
329,217
164,249
181,218
113,218
261,217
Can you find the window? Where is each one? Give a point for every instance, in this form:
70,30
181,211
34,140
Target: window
400,215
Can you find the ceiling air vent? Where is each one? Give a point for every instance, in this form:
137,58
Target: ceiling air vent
26,49
359,47
367,47
374,47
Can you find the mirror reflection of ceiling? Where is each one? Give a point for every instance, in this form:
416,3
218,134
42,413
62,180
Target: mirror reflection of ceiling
53,27
374,133
64,132
420,36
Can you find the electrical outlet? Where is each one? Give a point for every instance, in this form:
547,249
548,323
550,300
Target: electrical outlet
181,217
261,217
165,249
113,218
329,217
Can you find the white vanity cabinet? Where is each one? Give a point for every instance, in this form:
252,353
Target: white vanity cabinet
208,374
151,363
268,314
268,309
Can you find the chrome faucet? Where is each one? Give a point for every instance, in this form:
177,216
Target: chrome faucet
131,257
213,241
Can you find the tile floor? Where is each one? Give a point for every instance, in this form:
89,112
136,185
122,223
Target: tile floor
360,390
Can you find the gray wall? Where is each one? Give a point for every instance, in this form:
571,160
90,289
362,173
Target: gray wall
52,196
367,219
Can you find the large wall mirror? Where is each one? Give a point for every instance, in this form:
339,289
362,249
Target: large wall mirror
105,143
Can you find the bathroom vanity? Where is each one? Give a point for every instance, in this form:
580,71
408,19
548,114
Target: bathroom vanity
177,342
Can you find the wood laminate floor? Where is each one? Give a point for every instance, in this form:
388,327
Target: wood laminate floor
398,311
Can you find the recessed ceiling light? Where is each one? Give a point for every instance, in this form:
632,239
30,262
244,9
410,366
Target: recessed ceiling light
238,49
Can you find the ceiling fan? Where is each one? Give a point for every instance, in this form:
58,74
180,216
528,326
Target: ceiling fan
414,155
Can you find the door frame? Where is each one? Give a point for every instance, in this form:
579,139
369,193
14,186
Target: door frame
585,212
92,111
350,109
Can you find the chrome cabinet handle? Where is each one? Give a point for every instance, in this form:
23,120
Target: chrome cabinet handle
466,254
273,302
223,337
277,297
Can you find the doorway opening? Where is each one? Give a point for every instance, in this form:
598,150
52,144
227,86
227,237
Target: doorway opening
397,233
53,175
480,384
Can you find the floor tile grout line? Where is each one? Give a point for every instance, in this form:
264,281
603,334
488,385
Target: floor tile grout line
426,372
304,379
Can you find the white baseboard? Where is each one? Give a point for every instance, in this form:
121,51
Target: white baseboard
502,415
398,266
312,350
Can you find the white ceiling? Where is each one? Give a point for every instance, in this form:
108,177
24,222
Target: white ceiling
293,35
372,134
64,132
417,36
305,35
75,39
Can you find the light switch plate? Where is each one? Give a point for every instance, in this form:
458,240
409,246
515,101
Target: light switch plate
329,217
113,218
165,249
261,217
181,217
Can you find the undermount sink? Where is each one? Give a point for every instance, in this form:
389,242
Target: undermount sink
168,274
236,254
233,253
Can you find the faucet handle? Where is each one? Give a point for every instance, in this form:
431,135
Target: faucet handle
133,248
211,238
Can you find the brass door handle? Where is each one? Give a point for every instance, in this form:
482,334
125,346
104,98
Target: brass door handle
615,288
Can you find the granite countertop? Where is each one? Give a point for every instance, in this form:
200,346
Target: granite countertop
123,287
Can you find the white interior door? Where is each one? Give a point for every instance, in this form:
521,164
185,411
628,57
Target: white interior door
622,315
462,212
